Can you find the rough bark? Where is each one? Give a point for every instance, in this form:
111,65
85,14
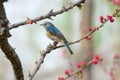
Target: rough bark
6,47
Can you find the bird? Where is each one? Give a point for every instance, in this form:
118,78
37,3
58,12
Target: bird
55,34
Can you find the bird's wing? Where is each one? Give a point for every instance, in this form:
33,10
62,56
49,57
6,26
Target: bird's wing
53,30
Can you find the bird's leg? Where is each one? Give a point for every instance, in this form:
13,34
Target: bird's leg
69,42
55,43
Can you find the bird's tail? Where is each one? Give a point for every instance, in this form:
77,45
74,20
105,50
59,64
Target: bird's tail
66,44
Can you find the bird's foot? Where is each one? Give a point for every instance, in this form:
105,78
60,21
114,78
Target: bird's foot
55,43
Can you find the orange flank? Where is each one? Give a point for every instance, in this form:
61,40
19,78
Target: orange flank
51,36
48,34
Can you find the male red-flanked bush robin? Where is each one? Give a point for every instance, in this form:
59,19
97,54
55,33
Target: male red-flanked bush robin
53,33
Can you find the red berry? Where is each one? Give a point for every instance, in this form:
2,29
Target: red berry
95,61
117,2
78,65
90,29
61,78
67,72
30,21
110,18
97,57
101,19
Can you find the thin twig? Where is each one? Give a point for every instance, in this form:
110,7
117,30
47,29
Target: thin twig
41,60
78,70
48,15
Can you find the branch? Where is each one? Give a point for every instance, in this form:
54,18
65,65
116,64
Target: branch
53,47
80,67
5,46
77,71
48,15
41,60
13,58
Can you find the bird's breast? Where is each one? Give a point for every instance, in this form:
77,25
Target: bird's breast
53,37
48,34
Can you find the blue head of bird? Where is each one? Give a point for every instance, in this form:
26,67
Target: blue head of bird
47,24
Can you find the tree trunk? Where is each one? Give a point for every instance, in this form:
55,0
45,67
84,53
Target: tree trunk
86,49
